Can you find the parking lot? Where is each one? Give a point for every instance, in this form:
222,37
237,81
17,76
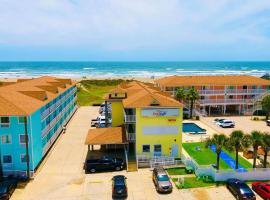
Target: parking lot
61,175
243,123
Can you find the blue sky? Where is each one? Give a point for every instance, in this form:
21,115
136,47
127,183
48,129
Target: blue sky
136,30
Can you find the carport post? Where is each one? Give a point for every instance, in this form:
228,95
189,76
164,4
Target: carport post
88,147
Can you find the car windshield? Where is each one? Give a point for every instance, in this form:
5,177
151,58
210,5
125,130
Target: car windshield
245,190
163,178
119,181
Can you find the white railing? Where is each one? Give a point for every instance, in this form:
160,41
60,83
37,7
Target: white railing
131,136
232,91
130,118
52,108
45,131
225,101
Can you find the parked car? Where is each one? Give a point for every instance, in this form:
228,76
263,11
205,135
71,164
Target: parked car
104,163
240,189
7,188
268,122
101,122
119,187
262,189
94,122
226,124
161,180
217,121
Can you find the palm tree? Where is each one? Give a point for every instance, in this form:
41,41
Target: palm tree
266,147
220,141
266,105
192,96
180,94
254,140
235,143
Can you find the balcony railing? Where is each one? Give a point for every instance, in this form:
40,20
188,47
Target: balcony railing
52,108
54,121
225,101
130,118
232,91
131,136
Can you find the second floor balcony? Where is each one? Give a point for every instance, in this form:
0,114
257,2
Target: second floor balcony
225,101
232,92
130,118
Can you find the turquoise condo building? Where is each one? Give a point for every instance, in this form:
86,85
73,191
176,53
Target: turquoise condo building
33,113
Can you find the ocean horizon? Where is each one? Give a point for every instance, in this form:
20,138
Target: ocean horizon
127,69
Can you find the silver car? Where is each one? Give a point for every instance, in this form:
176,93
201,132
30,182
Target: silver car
161,180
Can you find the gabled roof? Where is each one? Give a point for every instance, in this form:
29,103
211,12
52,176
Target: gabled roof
27,96
141,95
174,81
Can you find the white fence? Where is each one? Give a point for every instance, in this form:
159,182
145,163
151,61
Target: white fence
223,175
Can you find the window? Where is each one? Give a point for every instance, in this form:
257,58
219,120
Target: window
146,148
231,97
6,139
231,87
23,158
254,87
21,120
7,159
4,122
22,139
157,148
244,87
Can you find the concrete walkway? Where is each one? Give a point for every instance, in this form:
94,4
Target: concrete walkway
61,174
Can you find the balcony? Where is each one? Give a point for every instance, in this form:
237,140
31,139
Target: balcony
52,108
225,101
130,118
131,136
233,92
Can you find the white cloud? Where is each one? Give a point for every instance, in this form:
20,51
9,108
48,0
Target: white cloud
131,25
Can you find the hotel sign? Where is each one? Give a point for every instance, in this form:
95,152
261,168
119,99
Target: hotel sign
162,112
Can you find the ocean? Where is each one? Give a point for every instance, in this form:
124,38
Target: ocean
130,69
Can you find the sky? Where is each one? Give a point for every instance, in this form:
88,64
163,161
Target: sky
134,30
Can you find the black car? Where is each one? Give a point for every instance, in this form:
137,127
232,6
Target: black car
7,187
104,163
119,187
240,189
268,122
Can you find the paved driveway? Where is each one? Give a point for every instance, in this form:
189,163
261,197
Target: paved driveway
243,123
61,176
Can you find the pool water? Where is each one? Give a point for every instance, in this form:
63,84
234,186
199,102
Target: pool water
193,128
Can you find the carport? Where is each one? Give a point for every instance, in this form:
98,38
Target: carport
111,141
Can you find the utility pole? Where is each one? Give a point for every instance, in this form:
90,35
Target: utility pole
26,147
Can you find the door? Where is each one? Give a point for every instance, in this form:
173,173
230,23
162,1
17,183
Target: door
174,152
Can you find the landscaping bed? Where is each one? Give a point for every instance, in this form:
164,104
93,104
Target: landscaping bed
205,156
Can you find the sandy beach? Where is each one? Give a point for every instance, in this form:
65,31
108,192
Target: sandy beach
78,79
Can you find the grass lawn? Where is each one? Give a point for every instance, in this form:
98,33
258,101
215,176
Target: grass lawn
92,91
204,157
176,171
192,182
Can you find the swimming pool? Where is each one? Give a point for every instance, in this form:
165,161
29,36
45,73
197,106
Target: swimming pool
193,128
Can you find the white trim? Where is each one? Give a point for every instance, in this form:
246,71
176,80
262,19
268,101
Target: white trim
6,135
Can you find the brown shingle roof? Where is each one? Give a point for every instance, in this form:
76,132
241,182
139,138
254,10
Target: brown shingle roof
211,80
24,98
114,135
144,95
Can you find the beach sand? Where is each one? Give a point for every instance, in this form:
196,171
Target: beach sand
78,79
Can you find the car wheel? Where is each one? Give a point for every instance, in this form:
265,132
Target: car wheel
118,168
92,170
